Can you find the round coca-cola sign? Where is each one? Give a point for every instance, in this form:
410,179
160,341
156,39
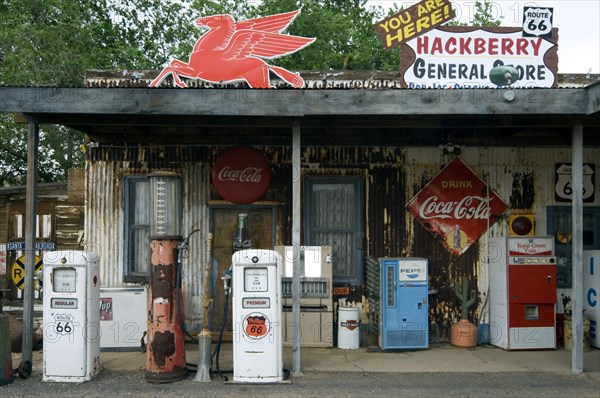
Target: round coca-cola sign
241,174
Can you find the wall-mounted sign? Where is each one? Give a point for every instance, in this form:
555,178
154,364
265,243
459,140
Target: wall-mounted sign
232,52
106,308
414,21
456,206
462,57
43,246
537,21
563,188
241,174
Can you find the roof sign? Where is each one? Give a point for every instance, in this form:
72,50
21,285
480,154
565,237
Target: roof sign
463,57
236,51
414,21
537,22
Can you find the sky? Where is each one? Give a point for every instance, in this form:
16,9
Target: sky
578,23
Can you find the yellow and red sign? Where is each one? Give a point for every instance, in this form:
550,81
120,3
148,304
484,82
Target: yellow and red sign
414,21
456,206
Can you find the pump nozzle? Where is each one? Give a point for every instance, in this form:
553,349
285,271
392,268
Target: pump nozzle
226,278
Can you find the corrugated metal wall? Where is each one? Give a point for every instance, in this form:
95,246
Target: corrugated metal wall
523,177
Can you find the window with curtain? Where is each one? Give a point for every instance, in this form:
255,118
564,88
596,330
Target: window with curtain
137,229
334,216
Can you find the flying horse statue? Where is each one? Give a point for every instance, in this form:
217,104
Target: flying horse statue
234,51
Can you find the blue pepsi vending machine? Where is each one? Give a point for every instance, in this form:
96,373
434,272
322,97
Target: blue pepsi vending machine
404,313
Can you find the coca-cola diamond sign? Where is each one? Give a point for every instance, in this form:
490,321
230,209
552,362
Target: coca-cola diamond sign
241,175
456,206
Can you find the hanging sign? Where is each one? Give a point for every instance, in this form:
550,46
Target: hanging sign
456,206
233,51
2,259
463,57
241,175
414,21
563,188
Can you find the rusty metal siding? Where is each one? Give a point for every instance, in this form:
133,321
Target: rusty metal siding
523,177
104,210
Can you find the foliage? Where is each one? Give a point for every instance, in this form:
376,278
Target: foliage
346,38
484,16
53,43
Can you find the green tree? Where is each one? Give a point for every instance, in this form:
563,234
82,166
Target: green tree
483,16
346,38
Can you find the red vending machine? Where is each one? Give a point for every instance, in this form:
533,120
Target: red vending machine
522,293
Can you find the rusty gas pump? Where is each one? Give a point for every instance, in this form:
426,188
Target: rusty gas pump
165,340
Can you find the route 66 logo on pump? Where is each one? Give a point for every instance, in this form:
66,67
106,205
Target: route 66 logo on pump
256,325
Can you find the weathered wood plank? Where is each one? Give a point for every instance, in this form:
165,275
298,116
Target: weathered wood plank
291,103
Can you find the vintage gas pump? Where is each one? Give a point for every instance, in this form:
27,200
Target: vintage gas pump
71,316
165,340
256,302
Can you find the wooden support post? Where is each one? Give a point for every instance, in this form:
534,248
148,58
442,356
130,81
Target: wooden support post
577,256
296,214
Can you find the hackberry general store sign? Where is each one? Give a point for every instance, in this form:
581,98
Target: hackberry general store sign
462,57
456,206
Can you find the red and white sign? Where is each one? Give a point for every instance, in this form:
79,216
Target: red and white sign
456,206
462,57
536,246
241,175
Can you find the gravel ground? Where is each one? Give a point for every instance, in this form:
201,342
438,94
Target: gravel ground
313,384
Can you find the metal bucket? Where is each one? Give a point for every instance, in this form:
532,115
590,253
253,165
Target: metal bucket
348,327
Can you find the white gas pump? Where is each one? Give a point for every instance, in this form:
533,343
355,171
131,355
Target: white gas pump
71,316
256,303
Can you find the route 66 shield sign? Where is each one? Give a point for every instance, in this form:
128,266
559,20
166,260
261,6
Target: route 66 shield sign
563,188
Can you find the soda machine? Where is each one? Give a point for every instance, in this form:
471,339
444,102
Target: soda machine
522,293
404,313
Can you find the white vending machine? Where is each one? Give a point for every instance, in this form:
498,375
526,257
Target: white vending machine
71,316
591,292
256,308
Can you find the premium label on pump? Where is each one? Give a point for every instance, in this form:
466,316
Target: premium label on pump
456,206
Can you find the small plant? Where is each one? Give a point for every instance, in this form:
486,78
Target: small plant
467,299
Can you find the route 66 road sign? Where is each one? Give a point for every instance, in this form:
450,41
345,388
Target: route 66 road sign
563,187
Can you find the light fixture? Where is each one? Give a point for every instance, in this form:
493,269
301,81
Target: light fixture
505,75
450,149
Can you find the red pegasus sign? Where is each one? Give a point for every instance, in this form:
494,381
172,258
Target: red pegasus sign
235,51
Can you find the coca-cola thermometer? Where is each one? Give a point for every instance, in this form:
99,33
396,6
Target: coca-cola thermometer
456,206
241,174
